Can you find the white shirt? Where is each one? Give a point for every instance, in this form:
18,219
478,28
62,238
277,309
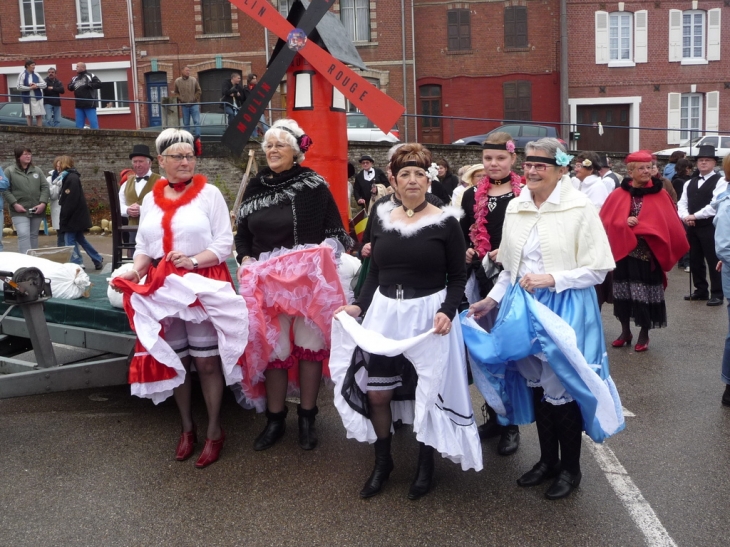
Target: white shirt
369,174
531,262
203,224
593,187
138,187
707,211
608,182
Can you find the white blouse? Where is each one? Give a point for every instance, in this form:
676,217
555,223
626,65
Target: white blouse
203,224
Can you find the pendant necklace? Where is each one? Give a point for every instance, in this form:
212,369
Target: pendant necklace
411,212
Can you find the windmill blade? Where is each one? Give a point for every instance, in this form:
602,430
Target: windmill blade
376,105
243,125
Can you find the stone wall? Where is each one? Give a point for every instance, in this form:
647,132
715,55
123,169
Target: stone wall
97,151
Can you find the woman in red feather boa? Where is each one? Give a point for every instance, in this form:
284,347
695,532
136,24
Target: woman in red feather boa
187,311
647,239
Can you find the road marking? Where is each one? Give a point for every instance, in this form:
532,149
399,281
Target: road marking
639,509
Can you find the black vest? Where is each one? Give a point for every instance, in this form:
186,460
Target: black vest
697,198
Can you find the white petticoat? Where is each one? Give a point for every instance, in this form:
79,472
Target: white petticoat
441,414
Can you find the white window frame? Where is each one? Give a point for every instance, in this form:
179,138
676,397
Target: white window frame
90,28
623,23
285,6
32,30
686,126
352,13
693,14
637,34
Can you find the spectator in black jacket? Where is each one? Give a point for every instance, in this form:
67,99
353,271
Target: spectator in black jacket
75,216
84,86
364,180
448,180
233,95
51,102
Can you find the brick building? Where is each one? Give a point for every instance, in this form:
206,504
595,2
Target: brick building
646,64
496,60
60,33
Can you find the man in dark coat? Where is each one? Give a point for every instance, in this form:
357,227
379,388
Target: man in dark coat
697,214
364,180
84,86
233,95
51,102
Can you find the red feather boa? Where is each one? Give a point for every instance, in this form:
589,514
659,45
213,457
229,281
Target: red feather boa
478,232
170,206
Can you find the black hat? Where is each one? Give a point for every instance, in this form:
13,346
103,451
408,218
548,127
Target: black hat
141,150
366,157
706,151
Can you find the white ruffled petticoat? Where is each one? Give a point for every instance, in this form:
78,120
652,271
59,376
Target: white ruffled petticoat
441,414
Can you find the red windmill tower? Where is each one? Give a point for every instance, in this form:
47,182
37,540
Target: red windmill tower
318,84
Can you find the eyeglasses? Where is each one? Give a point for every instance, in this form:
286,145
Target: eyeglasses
539,167
180,157
278,146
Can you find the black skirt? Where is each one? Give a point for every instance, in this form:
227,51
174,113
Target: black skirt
638,292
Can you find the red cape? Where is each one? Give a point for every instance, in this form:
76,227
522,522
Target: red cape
658,224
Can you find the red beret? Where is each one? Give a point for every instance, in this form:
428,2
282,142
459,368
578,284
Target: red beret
641,156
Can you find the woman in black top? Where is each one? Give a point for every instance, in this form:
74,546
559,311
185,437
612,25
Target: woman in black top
414,286
484,207
285,206
448,180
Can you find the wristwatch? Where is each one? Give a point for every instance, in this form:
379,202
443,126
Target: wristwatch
195,262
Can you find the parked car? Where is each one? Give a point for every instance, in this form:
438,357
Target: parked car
521,134
692,148
12,114
361,129
212,126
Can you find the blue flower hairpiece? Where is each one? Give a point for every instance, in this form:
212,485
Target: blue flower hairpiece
563,159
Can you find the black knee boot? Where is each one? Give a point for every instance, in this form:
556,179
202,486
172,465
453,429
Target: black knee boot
569,422
307,433
382,469
274,430
424,474
549,464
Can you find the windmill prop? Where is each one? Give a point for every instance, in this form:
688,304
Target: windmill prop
326,82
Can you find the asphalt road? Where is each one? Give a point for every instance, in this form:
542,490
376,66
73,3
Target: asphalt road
96,467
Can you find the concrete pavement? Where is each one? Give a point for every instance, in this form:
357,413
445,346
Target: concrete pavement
96,467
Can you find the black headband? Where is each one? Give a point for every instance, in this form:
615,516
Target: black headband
303,142
490,146
178,139
541,159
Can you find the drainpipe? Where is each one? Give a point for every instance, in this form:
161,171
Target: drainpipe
413,53
564,107
266,50
403,48
133,50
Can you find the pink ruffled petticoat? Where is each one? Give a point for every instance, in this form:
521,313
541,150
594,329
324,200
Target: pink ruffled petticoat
297,282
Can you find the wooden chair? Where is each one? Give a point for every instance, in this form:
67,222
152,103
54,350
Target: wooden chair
119,247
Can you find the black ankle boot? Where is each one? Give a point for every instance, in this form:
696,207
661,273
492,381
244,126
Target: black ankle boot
509,442
491,427
274,430
382,469
307,433
424,475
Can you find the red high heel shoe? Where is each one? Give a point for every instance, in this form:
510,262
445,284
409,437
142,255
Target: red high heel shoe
620,342
186,445
211,451
638,348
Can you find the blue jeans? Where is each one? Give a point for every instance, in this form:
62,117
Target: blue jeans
53,115
74,239
230,112
27,228
89,114
187,111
